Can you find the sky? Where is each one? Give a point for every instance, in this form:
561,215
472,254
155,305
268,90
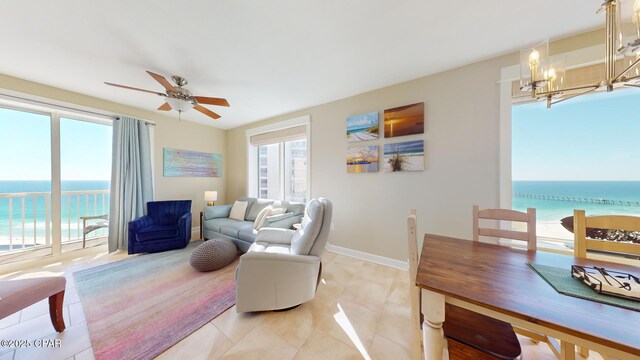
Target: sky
369,119
590,137
25,145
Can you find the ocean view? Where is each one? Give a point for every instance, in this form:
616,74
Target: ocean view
554,210
73,204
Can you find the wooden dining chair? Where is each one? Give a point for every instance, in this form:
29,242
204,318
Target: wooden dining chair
529,218
583,224
469,335
530,237
605,222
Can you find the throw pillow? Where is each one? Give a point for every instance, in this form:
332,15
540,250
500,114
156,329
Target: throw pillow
238,210
271,212
260,218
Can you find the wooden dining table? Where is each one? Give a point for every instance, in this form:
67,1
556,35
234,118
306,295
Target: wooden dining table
496,281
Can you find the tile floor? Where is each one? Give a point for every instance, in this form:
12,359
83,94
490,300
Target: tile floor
361,311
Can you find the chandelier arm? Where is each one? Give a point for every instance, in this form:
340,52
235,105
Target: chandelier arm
555,92
626,70
572,96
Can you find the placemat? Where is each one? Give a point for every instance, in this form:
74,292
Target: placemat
560,279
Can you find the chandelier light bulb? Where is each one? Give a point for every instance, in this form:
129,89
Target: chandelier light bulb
535,56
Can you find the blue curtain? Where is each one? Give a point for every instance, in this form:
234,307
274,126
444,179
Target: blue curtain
131,178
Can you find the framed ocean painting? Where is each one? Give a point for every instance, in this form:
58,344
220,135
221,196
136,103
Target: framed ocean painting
404,120
191,163
362,159
404,156
363,127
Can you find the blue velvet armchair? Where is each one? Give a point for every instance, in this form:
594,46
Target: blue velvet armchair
166,226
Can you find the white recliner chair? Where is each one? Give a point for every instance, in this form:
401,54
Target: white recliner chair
282,267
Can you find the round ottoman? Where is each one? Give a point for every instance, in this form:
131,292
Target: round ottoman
213,254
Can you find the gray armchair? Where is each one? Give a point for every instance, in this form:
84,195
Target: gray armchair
282,268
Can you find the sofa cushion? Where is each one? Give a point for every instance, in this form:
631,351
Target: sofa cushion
268,215
296,208
156,232
238,210
215,224
256,208
233,229
249,201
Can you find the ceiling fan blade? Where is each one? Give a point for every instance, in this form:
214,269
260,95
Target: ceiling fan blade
132,88
165,107
164,82
206,111
211,101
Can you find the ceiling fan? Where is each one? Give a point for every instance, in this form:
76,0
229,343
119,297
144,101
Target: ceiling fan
179,98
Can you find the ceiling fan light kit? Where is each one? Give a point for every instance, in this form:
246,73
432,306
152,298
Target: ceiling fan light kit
178,98
544,76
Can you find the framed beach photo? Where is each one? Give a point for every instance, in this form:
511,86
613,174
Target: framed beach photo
404,120
362,159
363,127
191,163
404,156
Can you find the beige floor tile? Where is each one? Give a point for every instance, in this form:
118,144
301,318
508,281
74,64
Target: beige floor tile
235,326
370,294
208,342
328,257
322,346
85,355
338,273
328,292
261,344
296,325
384,349
76,314
10,320
71,296
351,323
399,293
73,340
395,324
36,328
6,355
35,310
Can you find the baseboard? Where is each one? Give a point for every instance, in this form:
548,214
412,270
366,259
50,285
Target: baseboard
195,233
377,259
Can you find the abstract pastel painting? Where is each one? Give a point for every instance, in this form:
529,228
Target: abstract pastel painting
361,159
362,127
404,156
191,163
404,120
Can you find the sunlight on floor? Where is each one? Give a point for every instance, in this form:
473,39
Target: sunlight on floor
343,321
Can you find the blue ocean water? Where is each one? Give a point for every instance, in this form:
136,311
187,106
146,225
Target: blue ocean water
554,210
73,206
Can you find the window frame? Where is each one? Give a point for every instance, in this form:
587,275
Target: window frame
253,158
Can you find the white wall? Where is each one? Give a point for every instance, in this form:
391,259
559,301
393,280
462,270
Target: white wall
462,151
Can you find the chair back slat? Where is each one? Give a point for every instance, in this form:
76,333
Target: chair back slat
414,254
529,217
609,222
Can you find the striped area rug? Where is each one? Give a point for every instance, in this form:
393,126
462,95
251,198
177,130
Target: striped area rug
139,307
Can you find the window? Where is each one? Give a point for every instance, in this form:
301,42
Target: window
581,154
56,171
278,161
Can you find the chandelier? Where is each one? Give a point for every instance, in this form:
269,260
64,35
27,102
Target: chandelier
544,76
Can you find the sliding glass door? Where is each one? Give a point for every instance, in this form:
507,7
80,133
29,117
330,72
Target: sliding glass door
54,182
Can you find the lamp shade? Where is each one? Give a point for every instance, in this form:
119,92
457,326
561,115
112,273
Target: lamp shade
179,104
210,195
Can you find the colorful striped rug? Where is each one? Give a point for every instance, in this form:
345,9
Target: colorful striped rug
139,307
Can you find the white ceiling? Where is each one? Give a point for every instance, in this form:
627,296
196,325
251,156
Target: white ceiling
266,57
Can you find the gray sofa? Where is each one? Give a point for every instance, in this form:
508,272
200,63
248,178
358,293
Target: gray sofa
216,222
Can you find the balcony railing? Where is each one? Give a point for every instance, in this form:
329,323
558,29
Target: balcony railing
25,218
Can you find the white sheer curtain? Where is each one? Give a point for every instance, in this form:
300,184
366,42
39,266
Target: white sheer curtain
131,178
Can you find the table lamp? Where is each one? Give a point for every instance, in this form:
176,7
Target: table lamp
210,197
